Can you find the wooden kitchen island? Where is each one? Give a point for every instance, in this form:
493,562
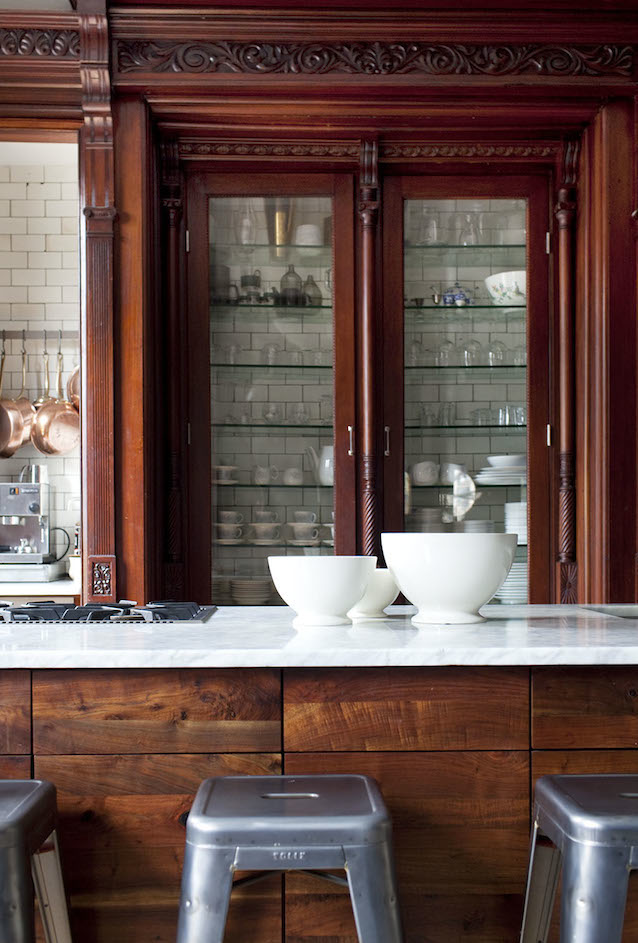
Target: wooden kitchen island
455,723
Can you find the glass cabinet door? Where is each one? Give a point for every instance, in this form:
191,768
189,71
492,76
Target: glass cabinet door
466,324
271,340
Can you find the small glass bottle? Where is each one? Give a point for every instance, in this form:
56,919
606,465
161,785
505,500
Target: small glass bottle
312,292
291,287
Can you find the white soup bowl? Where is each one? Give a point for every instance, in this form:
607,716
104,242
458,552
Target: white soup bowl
381,592
321,590
448,577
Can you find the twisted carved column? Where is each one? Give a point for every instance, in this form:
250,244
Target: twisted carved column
368,209
565,213
97,184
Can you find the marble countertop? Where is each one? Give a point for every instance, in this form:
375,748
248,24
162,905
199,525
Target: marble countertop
242,636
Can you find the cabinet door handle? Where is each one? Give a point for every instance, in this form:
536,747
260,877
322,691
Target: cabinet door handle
386,430
350,440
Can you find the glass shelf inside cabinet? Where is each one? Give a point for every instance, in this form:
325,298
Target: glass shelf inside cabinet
271,387
465,368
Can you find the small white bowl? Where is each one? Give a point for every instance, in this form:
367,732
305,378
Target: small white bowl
381,592
448,577
508,288
507,461
321,590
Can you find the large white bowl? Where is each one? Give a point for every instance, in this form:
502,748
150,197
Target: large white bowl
321,590
381,592
508,288
448,577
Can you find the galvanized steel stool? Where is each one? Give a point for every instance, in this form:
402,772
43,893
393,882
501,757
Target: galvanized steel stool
592,823
28,856
282,823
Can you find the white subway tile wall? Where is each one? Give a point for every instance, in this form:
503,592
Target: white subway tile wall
40,291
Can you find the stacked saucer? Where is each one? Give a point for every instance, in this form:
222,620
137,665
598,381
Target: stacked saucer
251,591
514,589
516,519
221,591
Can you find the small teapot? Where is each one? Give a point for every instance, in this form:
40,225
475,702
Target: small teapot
323,464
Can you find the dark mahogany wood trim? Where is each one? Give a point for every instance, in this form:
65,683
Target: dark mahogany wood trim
98,218
368,211
565,212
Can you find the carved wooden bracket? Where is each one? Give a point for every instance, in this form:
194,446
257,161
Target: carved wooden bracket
368,210
565,213
96,187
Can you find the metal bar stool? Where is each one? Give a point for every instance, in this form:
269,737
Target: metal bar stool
284,823
29,856
591,824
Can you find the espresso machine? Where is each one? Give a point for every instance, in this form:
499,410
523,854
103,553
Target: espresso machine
25,552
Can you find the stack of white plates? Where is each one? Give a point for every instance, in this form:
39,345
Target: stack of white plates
503,470
514,589
501,476
221,591
516,519
251,591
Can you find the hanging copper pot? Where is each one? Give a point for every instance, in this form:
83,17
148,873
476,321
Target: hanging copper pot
24,404
73,387
11,421
56,427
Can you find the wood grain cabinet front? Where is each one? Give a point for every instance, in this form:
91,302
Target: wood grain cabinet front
127,751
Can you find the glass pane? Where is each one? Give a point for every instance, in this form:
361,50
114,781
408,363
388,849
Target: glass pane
465,371
271,343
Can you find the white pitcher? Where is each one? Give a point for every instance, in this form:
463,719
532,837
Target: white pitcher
322,464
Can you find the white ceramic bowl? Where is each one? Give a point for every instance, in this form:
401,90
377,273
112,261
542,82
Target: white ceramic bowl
508,288
381,592
321,590
448,577
507,461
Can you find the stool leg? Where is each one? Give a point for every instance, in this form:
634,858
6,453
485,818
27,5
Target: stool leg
373,893
207,881
594,893
542,878
16,897
49,889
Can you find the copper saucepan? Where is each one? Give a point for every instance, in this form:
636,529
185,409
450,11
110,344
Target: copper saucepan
73,387
11,421
24,404
56,427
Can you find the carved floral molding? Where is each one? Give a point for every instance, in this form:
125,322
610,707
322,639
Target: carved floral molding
267,149
373,58
59,43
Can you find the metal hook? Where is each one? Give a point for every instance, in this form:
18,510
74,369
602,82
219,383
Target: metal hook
24,342
44,349
59,342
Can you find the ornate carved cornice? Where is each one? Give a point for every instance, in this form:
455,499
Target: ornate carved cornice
297,149
414,151
373,58
40,43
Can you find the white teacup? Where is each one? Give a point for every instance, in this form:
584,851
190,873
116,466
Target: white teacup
305,517
292,476
229,531
266,517
266,531
225,472
308,234
230,517
305,531
264,474
382,590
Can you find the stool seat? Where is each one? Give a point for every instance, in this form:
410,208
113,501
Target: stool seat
588,825
275,823
29,856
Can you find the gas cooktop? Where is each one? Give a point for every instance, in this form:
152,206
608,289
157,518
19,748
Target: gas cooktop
123,611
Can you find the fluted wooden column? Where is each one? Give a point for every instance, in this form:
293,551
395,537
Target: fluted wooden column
98,214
